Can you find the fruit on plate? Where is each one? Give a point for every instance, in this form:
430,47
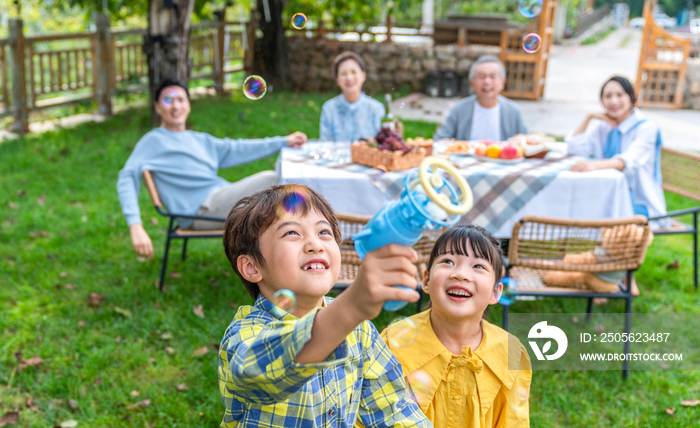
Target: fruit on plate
520,151
488,142
494,150
458,147
480,149
509,152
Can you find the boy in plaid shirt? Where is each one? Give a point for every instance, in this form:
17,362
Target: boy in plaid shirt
324,364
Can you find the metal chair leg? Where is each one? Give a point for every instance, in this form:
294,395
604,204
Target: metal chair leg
165,256
695,249
506,310
589,309
184,249
628,327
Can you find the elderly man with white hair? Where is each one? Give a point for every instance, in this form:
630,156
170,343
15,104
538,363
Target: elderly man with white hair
485,115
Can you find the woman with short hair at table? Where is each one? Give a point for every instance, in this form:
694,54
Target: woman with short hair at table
620,138
351,115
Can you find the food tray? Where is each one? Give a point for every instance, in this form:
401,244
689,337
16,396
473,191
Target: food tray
393,161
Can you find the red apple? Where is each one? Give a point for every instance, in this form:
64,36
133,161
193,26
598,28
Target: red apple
509,152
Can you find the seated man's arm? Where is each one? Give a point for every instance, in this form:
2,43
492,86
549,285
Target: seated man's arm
241,151
128,185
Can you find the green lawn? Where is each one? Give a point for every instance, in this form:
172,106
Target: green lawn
60,224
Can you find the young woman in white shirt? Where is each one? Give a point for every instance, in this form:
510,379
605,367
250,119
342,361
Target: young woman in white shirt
620,138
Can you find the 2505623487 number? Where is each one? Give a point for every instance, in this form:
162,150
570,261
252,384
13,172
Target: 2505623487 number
634,337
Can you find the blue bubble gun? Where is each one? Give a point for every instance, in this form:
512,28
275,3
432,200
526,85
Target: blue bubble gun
434,204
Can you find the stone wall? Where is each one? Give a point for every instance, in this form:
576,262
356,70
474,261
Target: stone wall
390,66
691,97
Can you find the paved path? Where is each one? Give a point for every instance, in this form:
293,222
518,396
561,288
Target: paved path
572,90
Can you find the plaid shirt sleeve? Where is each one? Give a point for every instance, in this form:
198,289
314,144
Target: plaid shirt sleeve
256,360
385,401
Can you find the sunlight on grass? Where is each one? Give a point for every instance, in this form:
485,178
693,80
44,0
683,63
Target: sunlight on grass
62,237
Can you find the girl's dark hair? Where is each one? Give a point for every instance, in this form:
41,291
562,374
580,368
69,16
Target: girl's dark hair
481,243
344,57
626,86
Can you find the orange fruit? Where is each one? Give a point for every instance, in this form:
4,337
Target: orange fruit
493,151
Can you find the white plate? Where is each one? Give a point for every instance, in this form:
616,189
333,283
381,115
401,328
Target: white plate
499,160
442,145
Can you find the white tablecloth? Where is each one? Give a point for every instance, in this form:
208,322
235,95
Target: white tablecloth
589,195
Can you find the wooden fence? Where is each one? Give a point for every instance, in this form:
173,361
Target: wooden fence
663,59
58,69
526,72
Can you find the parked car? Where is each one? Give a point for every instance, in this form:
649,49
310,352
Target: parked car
636,23
665,21
694,26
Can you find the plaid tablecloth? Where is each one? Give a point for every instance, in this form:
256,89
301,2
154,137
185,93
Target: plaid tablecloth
503,193
500,190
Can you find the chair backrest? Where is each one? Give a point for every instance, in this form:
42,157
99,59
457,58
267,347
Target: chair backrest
152,189
579,245
680,172
351,224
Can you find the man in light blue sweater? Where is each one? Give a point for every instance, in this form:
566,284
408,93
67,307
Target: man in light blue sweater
185,165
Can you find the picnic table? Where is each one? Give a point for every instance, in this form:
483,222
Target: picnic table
503,193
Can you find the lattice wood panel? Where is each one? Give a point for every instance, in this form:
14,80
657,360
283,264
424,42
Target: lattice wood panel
526,72
662,64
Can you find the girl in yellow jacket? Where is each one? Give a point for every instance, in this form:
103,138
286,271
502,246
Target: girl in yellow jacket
462,370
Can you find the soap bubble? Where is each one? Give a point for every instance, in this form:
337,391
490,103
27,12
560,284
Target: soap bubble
291,203
402,332
532,43
419,387
168,96
510,288
530,8
520,399
378,172
299,21
285,301
254,87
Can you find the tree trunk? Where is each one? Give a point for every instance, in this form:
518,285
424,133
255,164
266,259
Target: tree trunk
272,48
166,43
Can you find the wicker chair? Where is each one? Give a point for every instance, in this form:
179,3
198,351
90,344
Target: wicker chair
350,225
539,244
175,232
680,176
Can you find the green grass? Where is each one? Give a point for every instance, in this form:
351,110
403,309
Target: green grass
598,37
63,183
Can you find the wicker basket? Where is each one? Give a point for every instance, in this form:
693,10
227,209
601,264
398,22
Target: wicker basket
392,161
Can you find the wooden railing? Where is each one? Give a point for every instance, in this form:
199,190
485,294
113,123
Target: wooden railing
586,21
66,68
662,65
526,72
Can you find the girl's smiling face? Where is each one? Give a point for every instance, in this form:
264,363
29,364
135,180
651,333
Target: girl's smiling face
461,286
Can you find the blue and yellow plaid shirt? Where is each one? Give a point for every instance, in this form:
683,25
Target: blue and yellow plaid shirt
262,386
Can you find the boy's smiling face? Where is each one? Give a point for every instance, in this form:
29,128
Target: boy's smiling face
301,255
461,286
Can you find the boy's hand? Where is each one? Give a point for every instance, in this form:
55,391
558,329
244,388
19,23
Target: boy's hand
380,271
141,241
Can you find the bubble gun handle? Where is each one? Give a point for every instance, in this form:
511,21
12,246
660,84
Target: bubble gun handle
404,220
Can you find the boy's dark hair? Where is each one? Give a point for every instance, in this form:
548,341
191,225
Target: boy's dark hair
346,56
481,242
169,82
254,214
626,86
